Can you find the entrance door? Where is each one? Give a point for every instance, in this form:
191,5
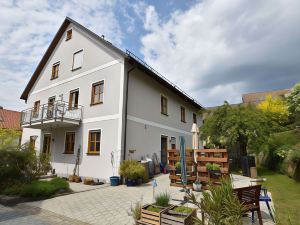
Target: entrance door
164,148
47,143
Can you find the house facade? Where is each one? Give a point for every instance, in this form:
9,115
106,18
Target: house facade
90,96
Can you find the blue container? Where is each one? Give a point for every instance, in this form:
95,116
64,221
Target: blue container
130,182
114,181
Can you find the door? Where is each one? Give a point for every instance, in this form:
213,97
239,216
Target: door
50,107
164,148
47,143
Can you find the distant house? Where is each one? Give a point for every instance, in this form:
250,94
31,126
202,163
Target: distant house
257,97
87,94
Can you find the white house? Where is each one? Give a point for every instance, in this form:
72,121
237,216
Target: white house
87,94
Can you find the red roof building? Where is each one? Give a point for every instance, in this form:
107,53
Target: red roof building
10,119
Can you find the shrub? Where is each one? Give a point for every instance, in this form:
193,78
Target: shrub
212,166
178,166
59,183
162,199
38,189
131,169
220,205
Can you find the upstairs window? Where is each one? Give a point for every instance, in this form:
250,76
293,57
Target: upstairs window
94,142
97,93
36,109
164,105
69,35
194,118
77,60
69,143
182,110
73,99
55,69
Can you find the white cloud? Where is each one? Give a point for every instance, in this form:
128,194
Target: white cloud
27,27
220,49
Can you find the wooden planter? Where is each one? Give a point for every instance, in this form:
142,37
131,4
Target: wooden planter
168,218
149,217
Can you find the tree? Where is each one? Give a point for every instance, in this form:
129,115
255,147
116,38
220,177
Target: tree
9,137
277,110
243,125
293,101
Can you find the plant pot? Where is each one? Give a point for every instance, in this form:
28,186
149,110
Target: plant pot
114,181
176,218
197,187
130,182
71,178
77,179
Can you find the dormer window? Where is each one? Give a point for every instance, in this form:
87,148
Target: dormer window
69,35
55,69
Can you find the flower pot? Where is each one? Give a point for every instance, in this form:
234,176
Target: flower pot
197,187
77,179
130,182
114,181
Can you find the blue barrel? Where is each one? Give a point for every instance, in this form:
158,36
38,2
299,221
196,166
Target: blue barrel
114,181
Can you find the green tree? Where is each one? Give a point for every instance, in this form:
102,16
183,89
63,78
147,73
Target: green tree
9,137
243,125
293,101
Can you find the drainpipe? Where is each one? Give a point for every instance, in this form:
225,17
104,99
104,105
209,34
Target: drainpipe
126,109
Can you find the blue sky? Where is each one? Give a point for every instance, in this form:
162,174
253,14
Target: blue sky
213,50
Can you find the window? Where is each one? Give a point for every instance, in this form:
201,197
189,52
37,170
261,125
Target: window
164,105
194,118
36,109
173,143
69,35
55,69
47,143
94,142
69,143
182,110
50,110
77,60
97,93
32,141
73,99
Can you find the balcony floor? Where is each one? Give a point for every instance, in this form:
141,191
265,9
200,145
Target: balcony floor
52,123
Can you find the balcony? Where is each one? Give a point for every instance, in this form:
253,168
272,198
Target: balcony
52,115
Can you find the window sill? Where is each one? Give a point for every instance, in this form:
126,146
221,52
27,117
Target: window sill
98,103
165,114
76,69
53,78
183,121
93,153
68,153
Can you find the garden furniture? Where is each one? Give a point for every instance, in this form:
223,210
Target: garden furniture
249,197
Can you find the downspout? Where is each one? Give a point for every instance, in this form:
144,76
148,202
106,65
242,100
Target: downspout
126,109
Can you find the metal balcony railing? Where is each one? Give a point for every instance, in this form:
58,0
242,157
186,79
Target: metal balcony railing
56,111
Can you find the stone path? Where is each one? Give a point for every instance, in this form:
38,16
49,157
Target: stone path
105,205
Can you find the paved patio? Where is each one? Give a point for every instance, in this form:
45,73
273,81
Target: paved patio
109,205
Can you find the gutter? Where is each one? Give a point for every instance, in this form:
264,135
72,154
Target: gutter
126,110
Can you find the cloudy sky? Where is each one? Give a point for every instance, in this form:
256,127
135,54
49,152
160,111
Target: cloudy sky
215,50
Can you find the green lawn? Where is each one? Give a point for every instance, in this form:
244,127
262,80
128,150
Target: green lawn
285,194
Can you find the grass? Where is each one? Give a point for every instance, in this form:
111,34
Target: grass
162,199
183,209
285,194
154,209
38,188
290,137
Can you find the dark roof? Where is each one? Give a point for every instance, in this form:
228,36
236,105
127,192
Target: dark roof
257,97
10,119
129,56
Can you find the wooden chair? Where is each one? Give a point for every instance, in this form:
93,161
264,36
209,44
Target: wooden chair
249,197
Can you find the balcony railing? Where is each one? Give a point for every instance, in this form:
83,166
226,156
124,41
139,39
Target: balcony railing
56,111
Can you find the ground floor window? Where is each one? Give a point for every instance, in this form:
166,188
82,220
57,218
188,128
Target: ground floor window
173,143
69,143
94,142
32,141
47,143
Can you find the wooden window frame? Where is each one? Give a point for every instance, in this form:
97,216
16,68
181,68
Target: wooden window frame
43,149
67,142
36,109
163,109
93,93
182,114
71,99
69,34
73,69
55,72
195,118
32,142
89,152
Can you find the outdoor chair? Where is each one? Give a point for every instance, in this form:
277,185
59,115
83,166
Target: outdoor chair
249,197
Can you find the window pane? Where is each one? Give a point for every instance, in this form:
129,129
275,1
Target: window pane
77,60
97,147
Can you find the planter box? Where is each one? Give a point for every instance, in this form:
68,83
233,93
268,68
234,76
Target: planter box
149,217
168,218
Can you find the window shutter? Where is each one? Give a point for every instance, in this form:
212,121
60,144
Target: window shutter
77,60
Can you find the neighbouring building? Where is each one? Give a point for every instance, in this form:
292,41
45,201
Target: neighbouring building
257,97
87,94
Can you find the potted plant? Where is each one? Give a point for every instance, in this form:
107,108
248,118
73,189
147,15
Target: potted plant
152,212
178,168
132,171
197,185
178,215
212,167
